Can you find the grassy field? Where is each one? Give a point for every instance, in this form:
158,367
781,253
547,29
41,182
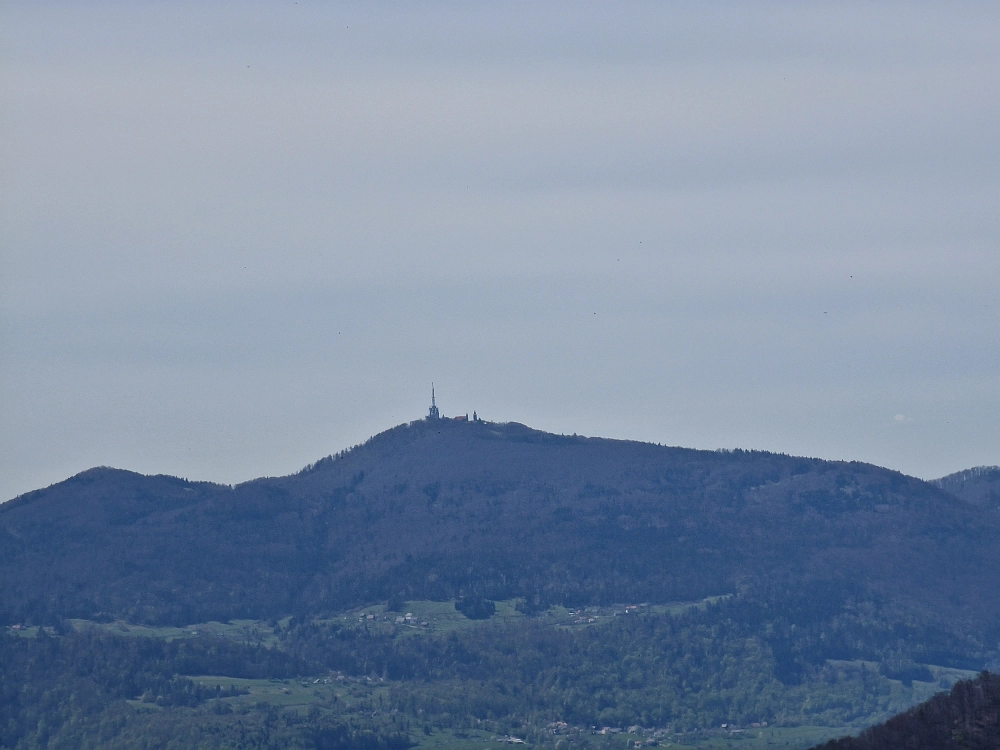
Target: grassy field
299,693
779,738
346,697
250,631
790,738
416,617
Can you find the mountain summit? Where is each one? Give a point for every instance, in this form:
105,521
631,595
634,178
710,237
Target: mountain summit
438,509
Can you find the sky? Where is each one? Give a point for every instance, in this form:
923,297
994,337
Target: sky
237,237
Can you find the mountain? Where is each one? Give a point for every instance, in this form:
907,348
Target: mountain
978,486
966,718
438,509
455,582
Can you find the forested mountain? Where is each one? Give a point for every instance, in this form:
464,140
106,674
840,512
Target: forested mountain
564,572
439,509
979,486
967,718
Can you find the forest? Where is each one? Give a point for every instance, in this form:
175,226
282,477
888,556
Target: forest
660,675
446,584
963,719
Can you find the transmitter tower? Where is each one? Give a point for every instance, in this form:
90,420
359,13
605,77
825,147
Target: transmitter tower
433,413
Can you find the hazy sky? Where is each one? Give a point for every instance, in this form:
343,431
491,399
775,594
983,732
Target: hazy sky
237,237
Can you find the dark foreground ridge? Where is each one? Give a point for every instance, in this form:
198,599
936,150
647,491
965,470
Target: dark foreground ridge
967,718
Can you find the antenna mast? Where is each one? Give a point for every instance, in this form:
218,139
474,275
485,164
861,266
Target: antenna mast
433,413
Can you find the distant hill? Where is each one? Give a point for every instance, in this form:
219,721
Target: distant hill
967,718
978,486
442,509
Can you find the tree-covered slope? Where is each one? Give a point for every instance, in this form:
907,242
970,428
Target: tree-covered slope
978,486
439,509
966,718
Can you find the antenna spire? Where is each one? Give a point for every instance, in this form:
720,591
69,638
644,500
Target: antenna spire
433,413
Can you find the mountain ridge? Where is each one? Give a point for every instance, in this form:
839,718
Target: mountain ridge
979,485
441,509
951,484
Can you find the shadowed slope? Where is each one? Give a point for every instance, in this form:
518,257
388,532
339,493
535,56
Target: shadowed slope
967,718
